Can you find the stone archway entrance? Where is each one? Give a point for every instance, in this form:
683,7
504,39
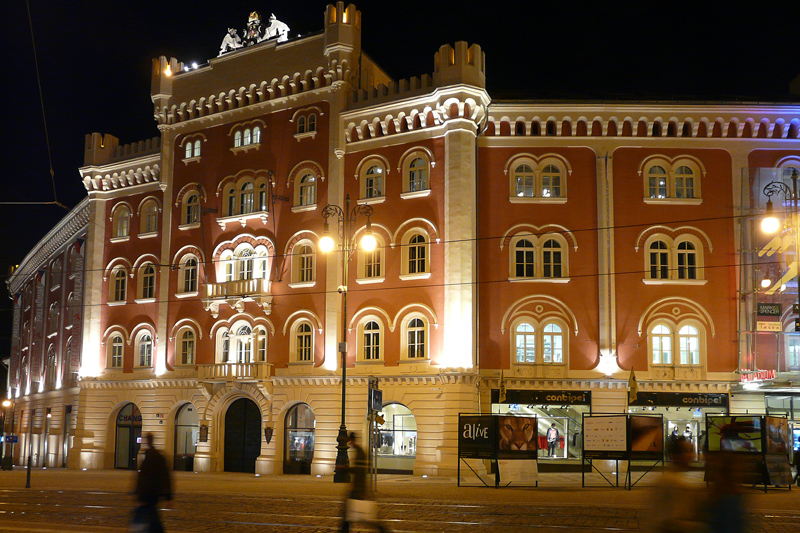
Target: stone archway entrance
128,437
242,436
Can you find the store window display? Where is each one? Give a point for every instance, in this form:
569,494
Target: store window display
397,440
299,445
559,428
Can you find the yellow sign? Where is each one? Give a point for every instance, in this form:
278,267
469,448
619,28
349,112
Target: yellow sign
769,326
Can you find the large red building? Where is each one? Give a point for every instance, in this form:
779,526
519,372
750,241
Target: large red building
530,255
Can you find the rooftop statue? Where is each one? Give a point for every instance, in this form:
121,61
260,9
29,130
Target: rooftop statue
254,33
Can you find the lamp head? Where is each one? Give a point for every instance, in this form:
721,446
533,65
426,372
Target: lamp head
770,224
368,241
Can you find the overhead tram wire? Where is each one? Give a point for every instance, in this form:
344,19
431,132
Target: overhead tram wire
44,121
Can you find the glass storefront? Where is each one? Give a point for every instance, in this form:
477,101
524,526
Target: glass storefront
187,431
397,440
787,405
299,451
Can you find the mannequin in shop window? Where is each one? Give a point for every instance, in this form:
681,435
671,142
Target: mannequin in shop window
552,440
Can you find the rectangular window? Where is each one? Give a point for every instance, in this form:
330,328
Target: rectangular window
304,347
306,268
145,354
372,264
552,264
524,263
372,345
659,268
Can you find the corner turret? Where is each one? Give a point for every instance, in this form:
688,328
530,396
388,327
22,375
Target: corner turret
161,80
343,40
462,64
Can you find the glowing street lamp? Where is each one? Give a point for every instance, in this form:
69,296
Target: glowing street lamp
345,219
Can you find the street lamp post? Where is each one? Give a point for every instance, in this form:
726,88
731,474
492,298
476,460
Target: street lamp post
6,459
346,219
771,224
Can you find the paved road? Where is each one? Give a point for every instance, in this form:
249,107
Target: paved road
100,502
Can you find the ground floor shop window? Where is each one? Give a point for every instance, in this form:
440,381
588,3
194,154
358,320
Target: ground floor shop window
299,446
128,437
397,440
683,423
187,431
559,427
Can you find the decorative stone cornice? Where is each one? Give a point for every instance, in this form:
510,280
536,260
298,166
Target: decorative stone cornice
130,173
156,383
65,231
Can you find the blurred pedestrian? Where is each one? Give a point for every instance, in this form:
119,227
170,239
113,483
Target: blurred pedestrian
678,503
725,506
360,505
153,483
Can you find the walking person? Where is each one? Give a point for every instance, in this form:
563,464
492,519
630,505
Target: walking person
360,505
153,483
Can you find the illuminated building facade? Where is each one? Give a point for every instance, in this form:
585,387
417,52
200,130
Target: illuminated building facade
530,255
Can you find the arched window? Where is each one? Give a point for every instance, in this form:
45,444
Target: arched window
186,347
149,220
246,198
256,135
301,124
307,194
657,178
262,196
244,345
197,148
188,150
246,139
372,264
192,215
524,259
553,344
305,264
372,341
661,345
246,264
659,260
417,254
145,350
189,274
147,281
523,179
689,345
525,343
304,340
50,369
121,222
373,182
684,182
551,182
312,122
687,260
418,175
115,352
261,345
551,259
416,334
119,287
225,349
230,201
237,139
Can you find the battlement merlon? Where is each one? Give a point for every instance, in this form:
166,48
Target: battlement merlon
461,64
103,149
161,79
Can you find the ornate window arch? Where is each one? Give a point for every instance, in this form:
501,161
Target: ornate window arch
676,330
303,264
188,275
539,258
415,337
372,180
121,222
370,334
185,346
674,260
415,254
144,349
672,180
147,281
537,179
115,351
190,209
148,218
542,340
118,285
302,342
415,169
372,265
305,191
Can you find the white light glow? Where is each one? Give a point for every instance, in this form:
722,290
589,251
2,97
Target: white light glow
770,225
608,363
765,283
326,244
194,65
751,386
368,242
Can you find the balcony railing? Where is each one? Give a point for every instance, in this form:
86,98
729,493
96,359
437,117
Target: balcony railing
234,371
236,292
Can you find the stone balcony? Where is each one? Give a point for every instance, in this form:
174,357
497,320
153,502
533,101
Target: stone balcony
235,293
224,372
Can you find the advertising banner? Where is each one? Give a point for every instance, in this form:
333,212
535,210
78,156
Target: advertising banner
734,433
605,437
777,435
477,436
518,437
646,437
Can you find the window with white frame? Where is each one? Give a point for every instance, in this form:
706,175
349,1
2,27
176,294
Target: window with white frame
115,351
416,338
687,337
661,345
148,222
370,336
667,180
186,347
372,264
247,136
689,345
538,258
191,208
192,149
144,350
301,124
537,181
246,264
303,263
415,254
147,281
121,222
260,344
118,285
245,196
243,341
188,275
373,182
678,260
539,342
304,342
306,190
792,347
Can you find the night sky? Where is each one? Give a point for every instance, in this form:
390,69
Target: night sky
94,61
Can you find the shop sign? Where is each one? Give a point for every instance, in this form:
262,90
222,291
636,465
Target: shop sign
758,375
769,309
477,436
772,327
544,397
135,418
681,399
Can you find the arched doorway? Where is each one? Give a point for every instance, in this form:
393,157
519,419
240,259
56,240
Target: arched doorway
397,440
242,436
187,429
129,437
298,450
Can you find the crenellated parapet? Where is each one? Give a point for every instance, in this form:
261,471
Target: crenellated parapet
102,149
643,120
